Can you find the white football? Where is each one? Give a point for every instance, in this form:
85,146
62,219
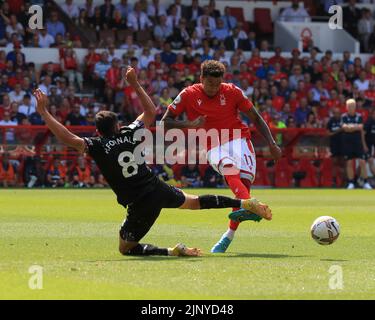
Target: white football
325,230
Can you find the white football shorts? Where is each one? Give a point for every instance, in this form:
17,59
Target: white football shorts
235,156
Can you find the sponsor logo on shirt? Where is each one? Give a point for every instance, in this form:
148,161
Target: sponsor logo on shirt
222,100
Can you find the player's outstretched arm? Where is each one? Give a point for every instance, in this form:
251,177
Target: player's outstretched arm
62,133
265,131
170,122
149,114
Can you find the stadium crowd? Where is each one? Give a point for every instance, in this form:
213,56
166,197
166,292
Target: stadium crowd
295,91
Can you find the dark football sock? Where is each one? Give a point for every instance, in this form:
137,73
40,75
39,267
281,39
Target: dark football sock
147,250
212,202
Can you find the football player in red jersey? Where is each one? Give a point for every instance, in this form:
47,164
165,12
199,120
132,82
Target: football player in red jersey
213,104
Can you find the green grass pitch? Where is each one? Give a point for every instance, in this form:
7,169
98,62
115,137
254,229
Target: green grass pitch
73,235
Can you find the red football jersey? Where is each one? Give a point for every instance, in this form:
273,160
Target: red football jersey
221,111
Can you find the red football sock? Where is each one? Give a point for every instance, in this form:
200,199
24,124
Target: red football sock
241,189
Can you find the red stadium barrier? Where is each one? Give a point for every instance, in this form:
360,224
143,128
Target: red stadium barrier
305,163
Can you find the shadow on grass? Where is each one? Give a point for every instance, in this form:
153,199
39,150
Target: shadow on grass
334,260
205,256
254,255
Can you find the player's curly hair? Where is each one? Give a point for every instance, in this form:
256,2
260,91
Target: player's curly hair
106,122
212,68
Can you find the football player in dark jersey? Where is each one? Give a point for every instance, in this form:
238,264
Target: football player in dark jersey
136,187
354,143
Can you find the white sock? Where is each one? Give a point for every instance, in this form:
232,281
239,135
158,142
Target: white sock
230,233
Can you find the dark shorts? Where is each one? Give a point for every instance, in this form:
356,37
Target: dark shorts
143,213
353,149
336,150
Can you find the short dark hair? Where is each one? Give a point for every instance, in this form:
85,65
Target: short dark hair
106,122
212,68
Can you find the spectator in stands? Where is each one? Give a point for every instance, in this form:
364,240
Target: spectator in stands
106,11
118,22
12,55
69,66
14,27
100,71
4,20
88,7
75,118
155,10
7,121
8,176
162,30
96,22
319,92
34,173
295,13
54,26
312,121
365,27
124,7
193,12
46,84
56,174
212,179
45,40
146,58
36,119
181,9
302,112
354,144
17,94
230,21
81,173
295,77
220,32
213,12
90,60
167,55
82,20
27,107
190,176
173,19
351,16
138,20
15,115
112,78
206,16
70,9
234,42
265,70
362,83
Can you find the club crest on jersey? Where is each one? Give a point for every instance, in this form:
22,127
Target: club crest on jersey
199,102
222,100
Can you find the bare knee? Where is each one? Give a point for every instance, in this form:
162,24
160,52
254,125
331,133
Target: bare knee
191,202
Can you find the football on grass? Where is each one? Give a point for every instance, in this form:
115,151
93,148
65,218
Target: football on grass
325,230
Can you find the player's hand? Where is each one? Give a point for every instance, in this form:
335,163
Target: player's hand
131,76
275,152
366,149
198,122
42,101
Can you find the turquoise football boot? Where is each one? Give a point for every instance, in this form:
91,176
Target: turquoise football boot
244,215
222,245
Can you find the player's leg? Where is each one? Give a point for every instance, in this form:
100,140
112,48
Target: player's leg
350,174
242,153
194,202
141,217
364,175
